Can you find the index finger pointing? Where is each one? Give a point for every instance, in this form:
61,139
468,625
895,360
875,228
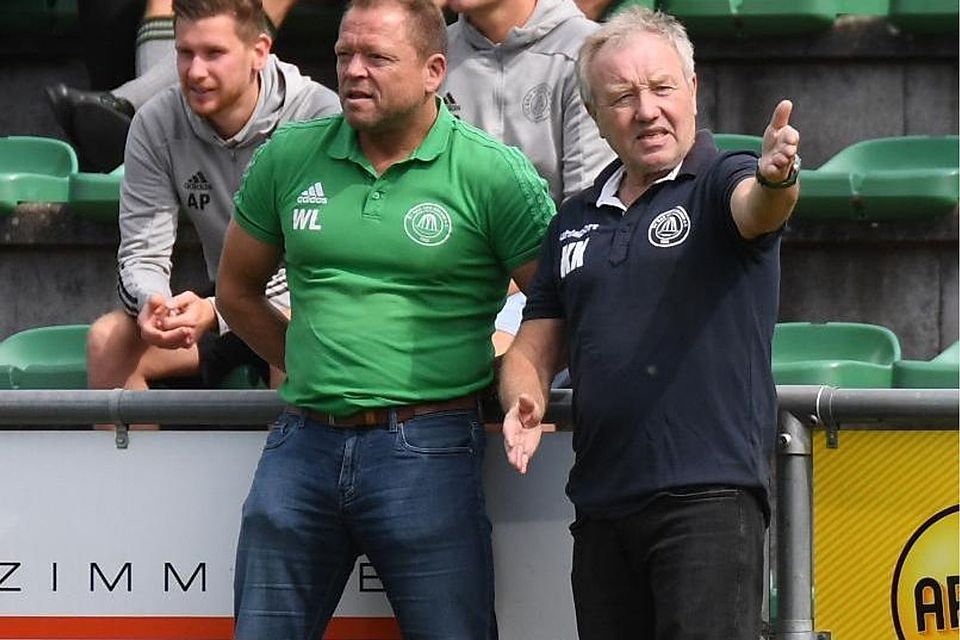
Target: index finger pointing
781,115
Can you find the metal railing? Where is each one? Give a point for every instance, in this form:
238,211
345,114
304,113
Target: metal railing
801,409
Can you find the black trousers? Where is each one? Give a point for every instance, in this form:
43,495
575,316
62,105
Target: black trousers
687,566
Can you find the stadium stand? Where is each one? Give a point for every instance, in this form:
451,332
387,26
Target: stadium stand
55,357
96,195
46,17
34,169
859,74
925,16
901,178
941,372
45,358
840,354
753,17
738,142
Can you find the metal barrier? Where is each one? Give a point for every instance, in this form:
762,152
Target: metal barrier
802,408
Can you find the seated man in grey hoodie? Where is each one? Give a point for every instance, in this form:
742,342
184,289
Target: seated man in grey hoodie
511,72
186,151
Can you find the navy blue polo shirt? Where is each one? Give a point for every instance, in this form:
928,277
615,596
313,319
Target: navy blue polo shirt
669,315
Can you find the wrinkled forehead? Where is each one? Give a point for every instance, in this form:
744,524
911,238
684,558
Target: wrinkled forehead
645,53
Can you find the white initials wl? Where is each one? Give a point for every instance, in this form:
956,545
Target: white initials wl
571,256
306,219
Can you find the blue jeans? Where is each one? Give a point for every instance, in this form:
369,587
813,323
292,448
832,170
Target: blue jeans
687,566
408,494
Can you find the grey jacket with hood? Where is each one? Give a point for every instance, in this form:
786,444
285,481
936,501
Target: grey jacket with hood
524,91
176,162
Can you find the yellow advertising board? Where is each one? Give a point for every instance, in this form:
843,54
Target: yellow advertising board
887,535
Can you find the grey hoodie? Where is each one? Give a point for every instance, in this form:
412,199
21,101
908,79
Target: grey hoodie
176,162
524,91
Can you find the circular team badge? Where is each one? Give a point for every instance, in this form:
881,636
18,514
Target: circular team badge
670,228
428,224
536,103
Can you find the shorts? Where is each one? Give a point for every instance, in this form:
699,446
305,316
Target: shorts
219,355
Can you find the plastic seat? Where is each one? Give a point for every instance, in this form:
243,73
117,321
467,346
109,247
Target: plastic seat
45,358
738,142
34,169
96,195
40,17
925,16
243,377
840,354
902,178
942,372
752,18
55,357
864,7
621,5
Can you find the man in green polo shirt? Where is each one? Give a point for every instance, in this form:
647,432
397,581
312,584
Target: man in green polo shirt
400,226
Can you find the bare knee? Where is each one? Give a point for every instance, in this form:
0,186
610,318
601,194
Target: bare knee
114,348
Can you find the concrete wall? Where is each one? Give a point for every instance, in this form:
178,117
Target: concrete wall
859,81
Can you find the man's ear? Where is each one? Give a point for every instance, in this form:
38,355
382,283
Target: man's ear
434,71
261,51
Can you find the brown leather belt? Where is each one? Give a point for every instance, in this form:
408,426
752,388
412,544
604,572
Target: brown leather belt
371,417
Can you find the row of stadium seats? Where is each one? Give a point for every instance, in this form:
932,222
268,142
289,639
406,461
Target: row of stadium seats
55,358
702,17
902,178
839,354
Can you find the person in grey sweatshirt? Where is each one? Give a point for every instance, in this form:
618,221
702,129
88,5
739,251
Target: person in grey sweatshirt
511,72
186,153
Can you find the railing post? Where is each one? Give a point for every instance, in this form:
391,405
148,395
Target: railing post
794,530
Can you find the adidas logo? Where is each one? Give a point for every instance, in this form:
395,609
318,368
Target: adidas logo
197,182
312,195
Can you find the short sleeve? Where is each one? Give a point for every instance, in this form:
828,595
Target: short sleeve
732,169
543,299
522,208
256,202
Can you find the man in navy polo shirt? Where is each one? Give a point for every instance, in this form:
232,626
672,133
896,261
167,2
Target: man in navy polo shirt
659,285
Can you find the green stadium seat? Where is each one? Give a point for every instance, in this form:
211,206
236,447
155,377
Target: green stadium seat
925,16
754,18
96,195
616,7
901,178
40,17
34,169
864,7
55,357
738,142
243,377
942,372
839,354
45,358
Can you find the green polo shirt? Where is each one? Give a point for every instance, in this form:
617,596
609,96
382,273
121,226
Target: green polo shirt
395,279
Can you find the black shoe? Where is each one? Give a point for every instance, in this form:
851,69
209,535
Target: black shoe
95,122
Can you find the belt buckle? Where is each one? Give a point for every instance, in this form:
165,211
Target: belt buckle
370,417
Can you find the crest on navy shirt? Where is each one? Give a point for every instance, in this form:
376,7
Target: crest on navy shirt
669,228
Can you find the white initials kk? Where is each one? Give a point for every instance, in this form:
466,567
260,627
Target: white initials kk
572,256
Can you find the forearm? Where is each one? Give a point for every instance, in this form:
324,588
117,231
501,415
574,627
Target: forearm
762,209
531,362
519,375
257,322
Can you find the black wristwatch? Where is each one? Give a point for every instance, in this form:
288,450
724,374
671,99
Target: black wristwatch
790,180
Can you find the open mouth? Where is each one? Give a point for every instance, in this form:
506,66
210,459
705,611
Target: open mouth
653,135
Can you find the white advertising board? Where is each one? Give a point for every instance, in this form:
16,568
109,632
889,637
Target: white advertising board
90,532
